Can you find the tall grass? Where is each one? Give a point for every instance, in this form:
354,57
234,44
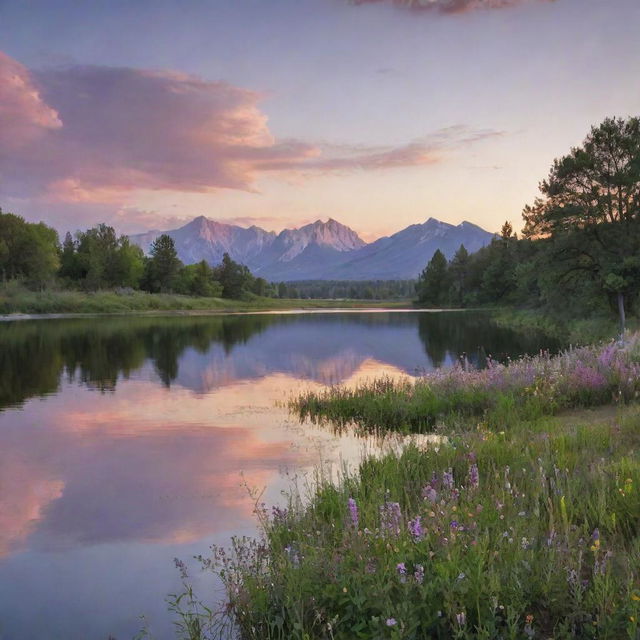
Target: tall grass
527,388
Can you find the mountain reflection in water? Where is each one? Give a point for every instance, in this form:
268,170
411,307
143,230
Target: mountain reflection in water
123,441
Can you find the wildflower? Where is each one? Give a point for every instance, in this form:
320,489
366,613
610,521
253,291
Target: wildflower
474,476
401,568
454,525
418,574
353,512
278,515
390,516
461,618
391,622
447,478
528,629
415,528
430,494
595,536
181,567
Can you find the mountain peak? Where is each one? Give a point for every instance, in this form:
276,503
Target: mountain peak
320,250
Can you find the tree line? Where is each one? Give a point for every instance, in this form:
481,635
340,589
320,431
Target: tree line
349,289
579,252
100,259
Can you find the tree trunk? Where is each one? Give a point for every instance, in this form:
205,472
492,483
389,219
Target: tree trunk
621,313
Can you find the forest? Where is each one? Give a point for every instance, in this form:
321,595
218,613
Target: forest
579,252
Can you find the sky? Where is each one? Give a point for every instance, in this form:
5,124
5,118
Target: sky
378,113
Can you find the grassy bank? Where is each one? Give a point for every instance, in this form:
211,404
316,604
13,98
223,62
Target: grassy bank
17,300
518,524
525,389
570,330
531,532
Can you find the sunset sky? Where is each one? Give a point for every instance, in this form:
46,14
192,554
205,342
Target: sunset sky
378,113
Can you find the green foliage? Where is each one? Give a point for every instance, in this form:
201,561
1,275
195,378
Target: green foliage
433,284
235,278
197,280
99,259
28,251
590,211
163,266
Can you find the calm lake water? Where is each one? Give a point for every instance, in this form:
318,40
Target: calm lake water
126,442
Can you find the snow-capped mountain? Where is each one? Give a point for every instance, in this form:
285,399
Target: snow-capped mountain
321,250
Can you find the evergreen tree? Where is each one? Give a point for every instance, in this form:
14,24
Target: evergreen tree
433,285
459,275
163,265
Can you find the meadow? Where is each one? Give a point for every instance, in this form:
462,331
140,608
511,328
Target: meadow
521,520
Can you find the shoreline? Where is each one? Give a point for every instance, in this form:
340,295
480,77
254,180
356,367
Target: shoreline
17,317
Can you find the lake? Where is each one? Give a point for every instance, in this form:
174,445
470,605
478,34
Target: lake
126,442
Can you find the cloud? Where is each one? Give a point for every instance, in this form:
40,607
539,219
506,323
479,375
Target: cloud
24,116
429,150
450,6
90,134
90,137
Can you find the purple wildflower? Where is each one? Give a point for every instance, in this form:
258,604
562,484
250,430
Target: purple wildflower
415,528
391,622
401,568
474,476
353,512
454,525
390,517
419,574
429,493
447,478
278,515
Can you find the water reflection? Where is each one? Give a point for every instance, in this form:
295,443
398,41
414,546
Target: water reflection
204,353
123,441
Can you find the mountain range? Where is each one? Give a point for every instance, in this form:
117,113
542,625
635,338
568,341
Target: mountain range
320,250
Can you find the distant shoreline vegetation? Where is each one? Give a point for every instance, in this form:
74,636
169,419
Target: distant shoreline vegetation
578,257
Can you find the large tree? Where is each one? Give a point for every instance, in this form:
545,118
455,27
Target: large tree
27,250
590,210
433,284
235,278
99,258
163,265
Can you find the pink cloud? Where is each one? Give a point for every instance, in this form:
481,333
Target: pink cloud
23,114
450,6
87,137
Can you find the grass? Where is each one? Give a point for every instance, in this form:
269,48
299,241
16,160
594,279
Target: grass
525,389
18,300
517,524
586,330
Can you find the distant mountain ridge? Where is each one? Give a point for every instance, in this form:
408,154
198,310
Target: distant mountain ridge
320,250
